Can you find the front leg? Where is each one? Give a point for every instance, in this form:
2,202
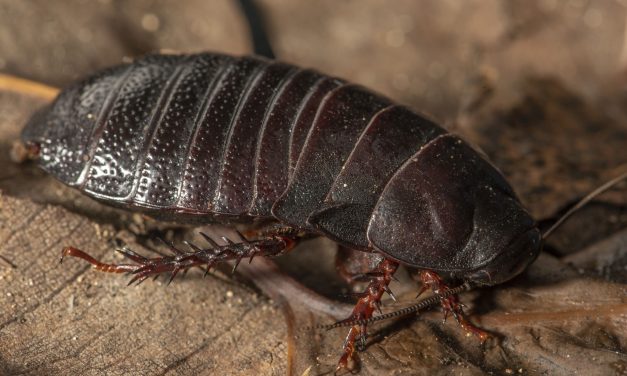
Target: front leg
369,301
270,244
450,304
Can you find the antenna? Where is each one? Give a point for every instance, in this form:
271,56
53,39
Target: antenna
401,312
589,197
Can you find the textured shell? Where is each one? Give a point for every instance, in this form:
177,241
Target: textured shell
209,135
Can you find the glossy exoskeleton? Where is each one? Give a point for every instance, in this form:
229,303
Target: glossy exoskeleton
209,136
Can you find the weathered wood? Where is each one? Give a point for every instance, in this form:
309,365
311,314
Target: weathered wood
67,319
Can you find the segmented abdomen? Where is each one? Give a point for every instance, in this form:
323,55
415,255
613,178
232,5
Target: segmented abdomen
209,134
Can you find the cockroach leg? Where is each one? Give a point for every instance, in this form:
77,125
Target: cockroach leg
108,268
451,304
143,267
381,276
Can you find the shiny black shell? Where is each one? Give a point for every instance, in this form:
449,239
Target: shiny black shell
195,137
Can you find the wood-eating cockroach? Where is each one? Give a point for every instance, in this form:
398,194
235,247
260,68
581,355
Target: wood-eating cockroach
210,137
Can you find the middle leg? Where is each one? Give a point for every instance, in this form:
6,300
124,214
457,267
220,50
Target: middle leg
355,266
450,304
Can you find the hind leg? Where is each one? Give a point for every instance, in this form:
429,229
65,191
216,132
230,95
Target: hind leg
268,244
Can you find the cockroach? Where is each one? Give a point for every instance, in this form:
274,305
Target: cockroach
209,137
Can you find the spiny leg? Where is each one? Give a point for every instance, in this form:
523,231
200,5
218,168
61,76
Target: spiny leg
380,277
451,304
271,244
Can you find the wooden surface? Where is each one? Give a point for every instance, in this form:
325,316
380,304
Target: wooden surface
539,86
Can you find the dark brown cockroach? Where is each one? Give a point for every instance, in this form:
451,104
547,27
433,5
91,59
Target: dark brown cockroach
211,137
